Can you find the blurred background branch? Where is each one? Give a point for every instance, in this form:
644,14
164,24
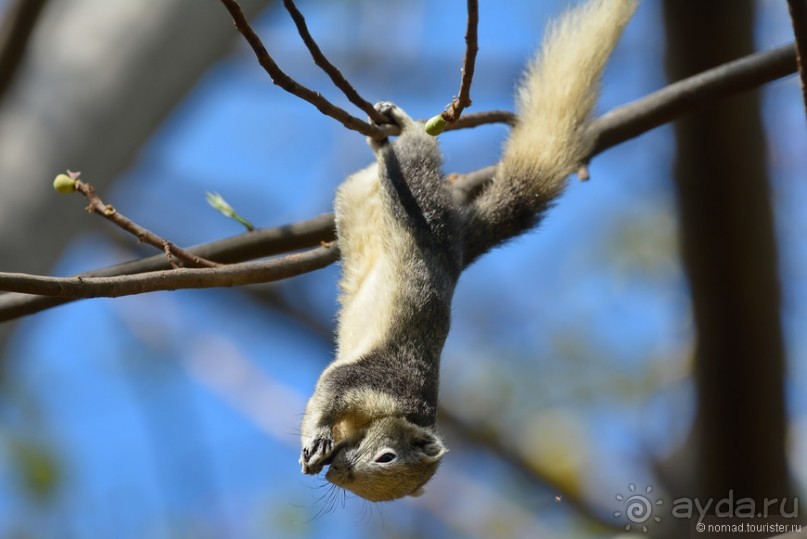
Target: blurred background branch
798,14
16,28
730,257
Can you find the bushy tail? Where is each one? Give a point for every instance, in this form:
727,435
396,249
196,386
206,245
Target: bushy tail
555,102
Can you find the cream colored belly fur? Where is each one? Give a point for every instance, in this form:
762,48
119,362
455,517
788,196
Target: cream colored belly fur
369,239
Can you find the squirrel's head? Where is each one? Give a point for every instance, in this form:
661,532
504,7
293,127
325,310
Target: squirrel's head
389,459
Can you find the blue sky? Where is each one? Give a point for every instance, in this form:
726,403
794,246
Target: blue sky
181,413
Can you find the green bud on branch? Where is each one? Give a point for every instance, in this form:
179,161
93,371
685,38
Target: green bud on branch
220,205
64,184
435,125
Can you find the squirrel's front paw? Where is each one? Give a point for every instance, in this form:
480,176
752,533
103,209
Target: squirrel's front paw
394,113
385,108
397,117
317,451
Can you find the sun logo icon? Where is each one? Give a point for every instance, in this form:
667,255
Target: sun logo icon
638,508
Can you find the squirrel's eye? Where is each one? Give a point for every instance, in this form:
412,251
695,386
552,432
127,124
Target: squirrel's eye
385,457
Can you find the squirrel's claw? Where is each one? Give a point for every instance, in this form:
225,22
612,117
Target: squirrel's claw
317,452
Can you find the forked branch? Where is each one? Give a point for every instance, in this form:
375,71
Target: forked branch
336,76
281,79
108,212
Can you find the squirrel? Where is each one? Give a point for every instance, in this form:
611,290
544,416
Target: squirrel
404,241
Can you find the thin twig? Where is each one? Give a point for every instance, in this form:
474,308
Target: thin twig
107,211
619,125
798,14
15,33
126,285
463,100
331,70
292,86
476,119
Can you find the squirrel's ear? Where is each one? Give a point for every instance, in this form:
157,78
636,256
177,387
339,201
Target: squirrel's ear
431,447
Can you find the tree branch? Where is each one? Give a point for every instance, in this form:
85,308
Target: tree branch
476,119
292,86
127,285
15,32
673,101
617,126
798,14
463,100
247,246
631,120
491,440
336,76
108,212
